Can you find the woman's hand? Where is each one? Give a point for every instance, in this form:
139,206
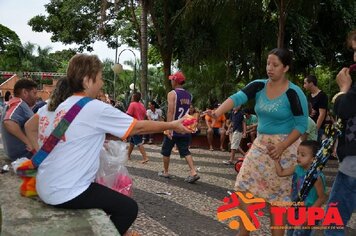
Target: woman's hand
179,127
275,151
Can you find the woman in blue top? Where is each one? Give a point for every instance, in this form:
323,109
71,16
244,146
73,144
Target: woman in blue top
282,112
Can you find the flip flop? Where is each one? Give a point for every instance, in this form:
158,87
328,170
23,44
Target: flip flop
167,176
228,163
144,161
192,179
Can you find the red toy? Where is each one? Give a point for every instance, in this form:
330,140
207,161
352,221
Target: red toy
240,160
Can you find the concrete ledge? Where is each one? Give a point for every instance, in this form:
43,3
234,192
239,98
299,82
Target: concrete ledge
29,216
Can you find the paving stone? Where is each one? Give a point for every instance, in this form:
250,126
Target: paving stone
190,209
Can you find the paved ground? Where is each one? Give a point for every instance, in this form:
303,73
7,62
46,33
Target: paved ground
190,209
174,207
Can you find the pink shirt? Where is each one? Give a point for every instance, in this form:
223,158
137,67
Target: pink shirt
137,110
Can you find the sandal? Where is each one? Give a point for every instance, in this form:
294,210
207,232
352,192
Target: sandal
162,174
229,162
192,179
144,161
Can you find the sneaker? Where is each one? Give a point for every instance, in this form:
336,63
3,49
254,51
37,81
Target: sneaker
192,179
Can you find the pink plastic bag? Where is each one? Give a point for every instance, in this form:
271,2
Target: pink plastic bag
112,172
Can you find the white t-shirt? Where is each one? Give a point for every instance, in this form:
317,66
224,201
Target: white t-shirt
72,165
44,118
154,115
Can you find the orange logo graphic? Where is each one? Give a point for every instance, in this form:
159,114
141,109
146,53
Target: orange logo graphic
228,211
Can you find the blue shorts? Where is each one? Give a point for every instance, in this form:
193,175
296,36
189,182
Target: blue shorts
136,140
182,145
216,132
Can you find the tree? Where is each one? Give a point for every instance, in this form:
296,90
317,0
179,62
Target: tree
228,39
10,45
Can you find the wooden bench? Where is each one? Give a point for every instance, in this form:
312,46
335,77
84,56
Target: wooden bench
30,216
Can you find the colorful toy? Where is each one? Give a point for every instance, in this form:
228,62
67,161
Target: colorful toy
190,122
240,160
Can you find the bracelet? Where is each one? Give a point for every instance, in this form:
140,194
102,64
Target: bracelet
336,95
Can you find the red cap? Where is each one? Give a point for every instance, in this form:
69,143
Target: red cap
178,76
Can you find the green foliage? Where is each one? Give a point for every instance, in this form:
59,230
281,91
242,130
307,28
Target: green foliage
220,45
9,49
7,37
71,22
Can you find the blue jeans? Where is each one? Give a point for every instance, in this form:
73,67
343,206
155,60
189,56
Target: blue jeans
343,192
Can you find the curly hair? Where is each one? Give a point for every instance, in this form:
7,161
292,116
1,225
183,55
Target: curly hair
59,94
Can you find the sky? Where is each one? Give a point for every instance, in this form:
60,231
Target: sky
14,14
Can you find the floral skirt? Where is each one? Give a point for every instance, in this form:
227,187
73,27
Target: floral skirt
258,174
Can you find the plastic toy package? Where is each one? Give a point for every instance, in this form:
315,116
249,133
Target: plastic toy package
112,172
190,122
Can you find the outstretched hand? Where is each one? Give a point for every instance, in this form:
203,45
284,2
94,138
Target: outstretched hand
179,127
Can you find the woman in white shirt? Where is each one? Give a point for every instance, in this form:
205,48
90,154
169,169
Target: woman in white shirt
153,113
65,179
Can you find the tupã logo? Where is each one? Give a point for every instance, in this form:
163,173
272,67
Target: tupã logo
229,210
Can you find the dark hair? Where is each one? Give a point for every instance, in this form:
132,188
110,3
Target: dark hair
248,111
154,104
60,93
136,96
351,37
24,84
283,54
312,79
312,144
80,66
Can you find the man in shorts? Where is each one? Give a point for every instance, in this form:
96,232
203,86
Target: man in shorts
216,127
179,101
237,126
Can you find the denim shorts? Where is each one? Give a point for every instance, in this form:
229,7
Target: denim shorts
343,193
136,140
182,145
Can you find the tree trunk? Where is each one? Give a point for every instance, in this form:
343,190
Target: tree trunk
144,51
282,7
165,41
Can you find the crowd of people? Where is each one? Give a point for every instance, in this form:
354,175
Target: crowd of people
285,127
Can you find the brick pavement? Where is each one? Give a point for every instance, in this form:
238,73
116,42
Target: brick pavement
190,209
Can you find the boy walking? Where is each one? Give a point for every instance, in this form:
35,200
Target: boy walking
179,101
238,127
